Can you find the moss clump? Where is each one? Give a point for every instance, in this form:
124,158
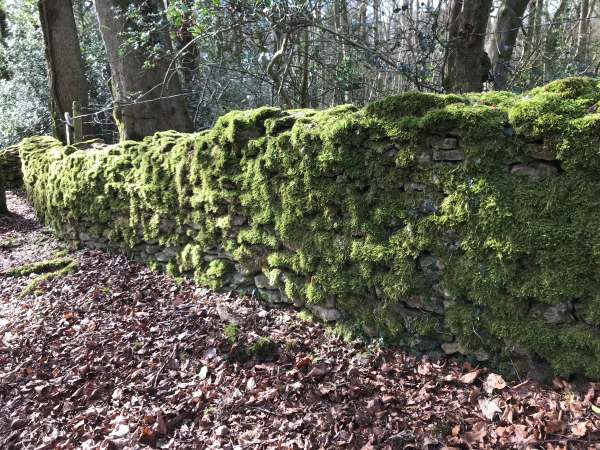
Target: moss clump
232,332
422,217
65,270
264,349
50,265
411,104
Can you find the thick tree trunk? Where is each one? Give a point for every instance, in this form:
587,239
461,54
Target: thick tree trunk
468,64
66,73
502,43
143,103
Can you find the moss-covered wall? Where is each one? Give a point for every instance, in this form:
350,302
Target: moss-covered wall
10,168
471,222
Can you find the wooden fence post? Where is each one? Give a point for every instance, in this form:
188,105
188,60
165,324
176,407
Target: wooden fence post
68,127
77,122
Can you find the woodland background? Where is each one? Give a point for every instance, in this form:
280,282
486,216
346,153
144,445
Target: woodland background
186,62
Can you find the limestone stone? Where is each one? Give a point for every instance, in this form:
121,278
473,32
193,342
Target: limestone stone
246,270
238,221
274,296
166,254
324,313
167,225
152,249
262,282
540,151
414,187
554,314
536,171
450,348
84,236
448,143
448,155
430,304
424,157
431,264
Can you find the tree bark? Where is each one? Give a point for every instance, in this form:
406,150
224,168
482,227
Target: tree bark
554,34
468,64
502,43
583,33
147,98
4,69
304,85
66,73
3,205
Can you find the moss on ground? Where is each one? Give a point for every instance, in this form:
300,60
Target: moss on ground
347,203
50,265
59,272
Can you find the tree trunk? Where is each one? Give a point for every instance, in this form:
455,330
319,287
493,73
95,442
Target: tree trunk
4,66
3,206
554,34
376,19
66,73
304,85
3,24
583,34
143,103
468,64
189,53
502,43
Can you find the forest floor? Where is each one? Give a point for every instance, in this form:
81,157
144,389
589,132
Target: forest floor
115,356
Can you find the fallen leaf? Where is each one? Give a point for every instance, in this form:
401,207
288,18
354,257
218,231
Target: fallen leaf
489,407
203,373
493,381
319,370
579,429
470,377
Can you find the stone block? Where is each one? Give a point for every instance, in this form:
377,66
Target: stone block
536,171
324,313
448,155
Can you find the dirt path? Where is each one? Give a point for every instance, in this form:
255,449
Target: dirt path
116,356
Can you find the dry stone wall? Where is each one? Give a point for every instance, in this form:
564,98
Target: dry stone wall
466,224
10,168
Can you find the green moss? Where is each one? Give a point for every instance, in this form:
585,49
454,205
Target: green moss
232,332
50,265
411,104
34,285
264,349
215,274
306,315
344,205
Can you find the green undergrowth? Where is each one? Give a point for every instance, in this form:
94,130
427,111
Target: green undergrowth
369,208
